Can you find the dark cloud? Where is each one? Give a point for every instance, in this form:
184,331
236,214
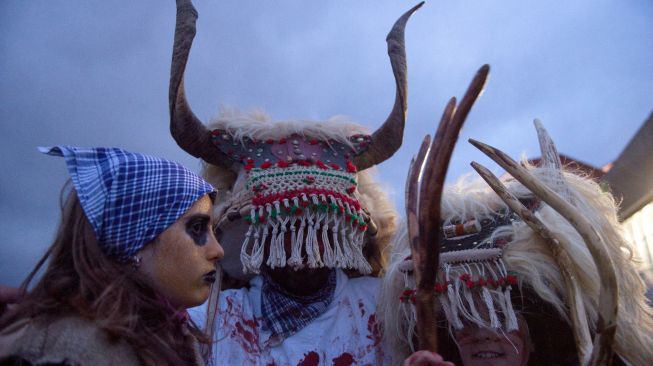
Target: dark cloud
95,73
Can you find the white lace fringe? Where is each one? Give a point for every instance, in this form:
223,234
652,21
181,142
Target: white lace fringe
342,249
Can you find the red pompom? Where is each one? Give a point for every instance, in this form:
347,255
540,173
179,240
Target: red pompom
351,168
512,280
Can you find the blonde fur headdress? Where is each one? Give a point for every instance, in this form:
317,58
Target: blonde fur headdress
531,260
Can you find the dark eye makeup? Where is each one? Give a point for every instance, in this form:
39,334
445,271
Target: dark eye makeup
197,227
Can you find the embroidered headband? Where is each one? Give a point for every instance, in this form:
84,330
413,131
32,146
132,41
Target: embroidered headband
129,198
472,272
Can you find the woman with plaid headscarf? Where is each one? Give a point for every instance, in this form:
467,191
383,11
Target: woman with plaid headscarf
134,250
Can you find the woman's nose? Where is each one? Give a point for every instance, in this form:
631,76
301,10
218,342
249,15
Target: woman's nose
215,250
486,335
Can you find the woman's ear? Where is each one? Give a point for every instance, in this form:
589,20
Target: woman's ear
146,258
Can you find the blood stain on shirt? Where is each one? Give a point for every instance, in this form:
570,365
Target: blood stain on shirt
250,341
374,330
310,359
361,306
345,359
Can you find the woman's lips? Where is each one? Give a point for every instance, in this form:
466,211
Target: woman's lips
210,277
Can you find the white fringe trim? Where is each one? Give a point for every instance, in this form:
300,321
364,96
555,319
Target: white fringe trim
460,304
311,245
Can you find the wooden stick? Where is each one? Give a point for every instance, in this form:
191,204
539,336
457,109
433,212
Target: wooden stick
423,199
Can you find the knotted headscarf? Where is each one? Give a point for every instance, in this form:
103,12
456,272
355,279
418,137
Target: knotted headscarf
129,198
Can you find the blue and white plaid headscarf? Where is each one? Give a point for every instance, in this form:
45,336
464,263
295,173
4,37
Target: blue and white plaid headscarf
129,198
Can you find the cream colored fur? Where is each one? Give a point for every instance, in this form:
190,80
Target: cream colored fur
257,124
529,256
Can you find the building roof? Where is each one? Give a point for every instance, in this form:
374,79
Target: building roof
631,176
578,166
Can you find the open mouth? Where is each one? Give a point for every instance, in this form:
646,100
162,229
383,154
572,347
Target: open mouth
210,277
487,355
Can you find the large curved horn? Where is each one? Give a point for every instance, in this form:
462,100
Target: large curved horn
387,139
187,130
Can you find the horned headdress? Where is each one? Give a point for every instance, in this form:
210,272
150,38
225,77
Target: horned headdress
298,182
545,242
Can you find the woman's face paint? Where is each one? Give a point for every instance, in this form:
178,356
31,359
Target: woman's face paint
485,347
181,262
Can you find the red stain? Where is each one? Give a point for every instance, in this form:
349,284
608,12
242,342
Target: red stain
345,359
230,305
249,343
252,323
361,306
310,359
243,329
374,330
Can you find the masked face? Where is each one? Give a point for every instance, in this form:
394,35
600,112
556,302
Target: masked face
181,262
484,347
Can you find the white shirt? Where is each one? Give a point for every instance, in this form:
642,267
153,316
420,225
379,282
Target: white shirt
346,333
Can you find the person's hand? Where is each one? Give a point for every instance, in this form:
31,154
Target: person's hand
426,358
8,295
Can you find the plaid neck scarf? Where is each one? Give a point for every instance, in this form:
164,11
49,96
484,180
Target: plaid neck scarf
285,314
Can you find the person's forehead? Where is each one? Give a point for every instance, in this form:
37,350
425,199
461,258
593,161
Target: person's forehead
204,205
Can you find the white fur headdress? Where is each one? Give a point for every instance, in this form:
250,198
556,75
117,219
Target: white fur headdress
531,260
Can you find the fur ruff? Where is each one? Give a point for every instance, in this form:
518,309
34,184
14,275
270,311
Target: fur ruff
258,125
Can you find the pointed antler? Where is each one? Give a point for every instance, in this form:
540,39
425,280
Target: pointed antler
609,295
387,139
423,197
187,130
550,159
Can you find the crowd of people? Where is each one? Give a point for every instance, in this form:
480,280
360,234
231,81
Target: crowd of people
287,252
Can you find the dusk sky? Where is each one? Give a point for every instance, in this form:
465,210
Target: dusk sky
95,73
